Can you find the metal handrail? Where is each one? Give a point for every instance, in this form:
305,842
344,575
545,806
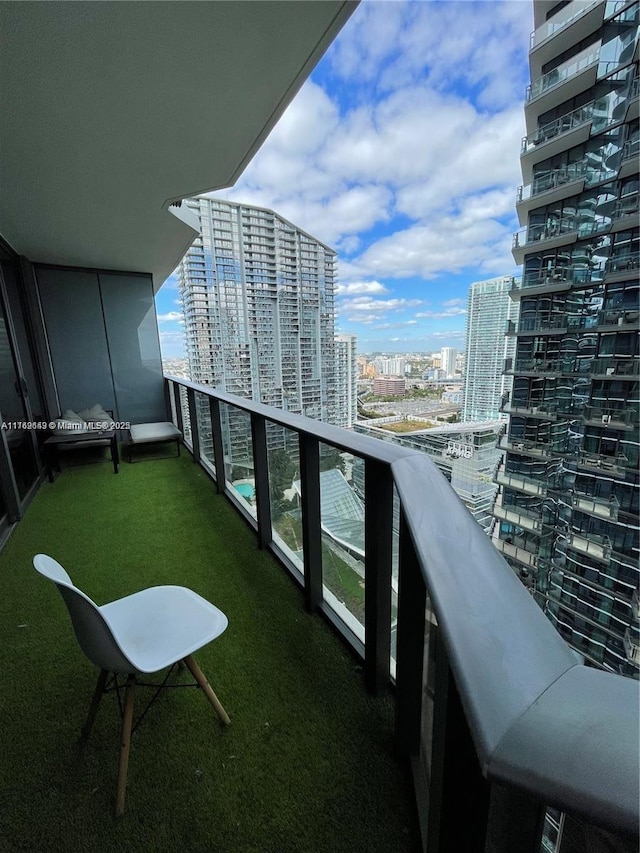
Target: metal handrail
562,733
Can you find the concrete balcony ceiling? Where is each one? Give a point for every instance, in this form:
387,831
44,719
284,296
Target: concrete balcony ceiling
111,111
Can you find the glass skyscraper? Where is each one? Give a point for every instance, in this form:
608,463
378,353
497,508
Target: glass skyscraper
568,513
491,317
258,299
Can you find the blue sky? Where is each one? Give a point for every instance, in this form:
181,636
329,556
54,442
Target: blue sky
402,153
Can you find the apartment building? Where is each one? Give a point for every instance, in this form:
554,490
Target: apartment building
448,359
569,506
346,386
491,317
258,300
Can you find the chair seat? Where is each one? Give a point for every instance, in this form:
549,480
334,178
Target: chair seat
155,432
158,626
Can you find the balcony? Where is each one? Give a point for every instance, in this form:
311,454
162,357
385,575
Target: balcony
555,279
564,82
319,731
631,647
534,325
629,159
617,367
598,547
521,483
597,507
515,515
539,449
616,465
613,418
550,187
308,755
616,317
620,265
526,558
568,26
545,236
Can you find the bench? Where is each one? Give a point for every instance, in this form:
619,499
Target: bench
154,433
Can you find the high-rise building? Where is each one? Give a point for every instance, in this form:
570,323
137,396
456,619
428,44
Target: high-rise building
346,380
390,366
491,314
258,298
569,506
448,356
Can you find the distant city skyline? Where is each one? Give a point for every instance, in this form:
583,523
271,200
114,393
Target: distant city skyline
401,153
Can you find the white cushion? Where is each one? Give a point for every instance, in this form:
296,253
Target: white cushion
160,431
70,423
97,418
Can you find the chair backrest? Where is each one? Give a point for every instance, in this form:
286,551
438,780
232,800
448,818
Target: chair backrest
92,632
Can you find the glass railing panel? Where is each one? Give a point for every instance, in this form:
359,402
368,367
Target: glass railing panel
172,404
565,70
561,19
186,419
238,456
205,434
283,456
343,546
395,566
569,121
425,758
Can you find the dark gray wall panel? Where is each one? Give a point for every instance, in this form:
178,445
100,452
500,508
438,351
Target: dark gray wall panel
77,339
134,348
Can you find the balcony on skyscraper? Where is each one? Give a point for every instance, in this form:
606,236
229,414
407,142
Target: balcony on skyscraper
451,662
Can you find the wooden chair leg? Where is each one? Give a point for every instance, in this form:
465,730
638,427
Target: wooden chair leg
206,687
127,720
95,701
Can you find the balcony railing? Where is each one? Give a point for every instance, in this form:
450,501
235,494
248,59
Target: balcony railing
600,507
631,647
544,231
544,450
548,324
569,121
503,679
563,72
598,547
615,366
559,274
631,149
602,462
623,263
523,484
611,417
518,516
626,206
559,21
618,317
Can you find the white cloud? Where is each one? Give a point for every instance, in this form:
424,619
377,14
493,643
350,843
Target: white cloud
364,304
361,287
171,317
440,315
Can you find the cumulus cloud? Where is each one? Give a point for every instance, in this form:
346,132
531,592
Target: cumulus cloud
171,317
440,315
361,287
402,151
364,303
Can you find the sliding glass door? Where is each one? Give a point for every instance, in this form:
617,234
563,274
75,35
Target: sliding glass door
19,466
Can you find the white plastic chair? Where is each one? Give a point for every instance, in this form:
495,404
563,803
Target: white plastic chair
141,633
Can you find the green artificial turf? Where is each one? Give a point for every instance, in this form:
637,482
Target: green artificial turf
308,762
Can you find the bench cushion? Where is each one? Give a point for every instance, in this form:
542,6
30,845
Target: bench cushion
147,433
